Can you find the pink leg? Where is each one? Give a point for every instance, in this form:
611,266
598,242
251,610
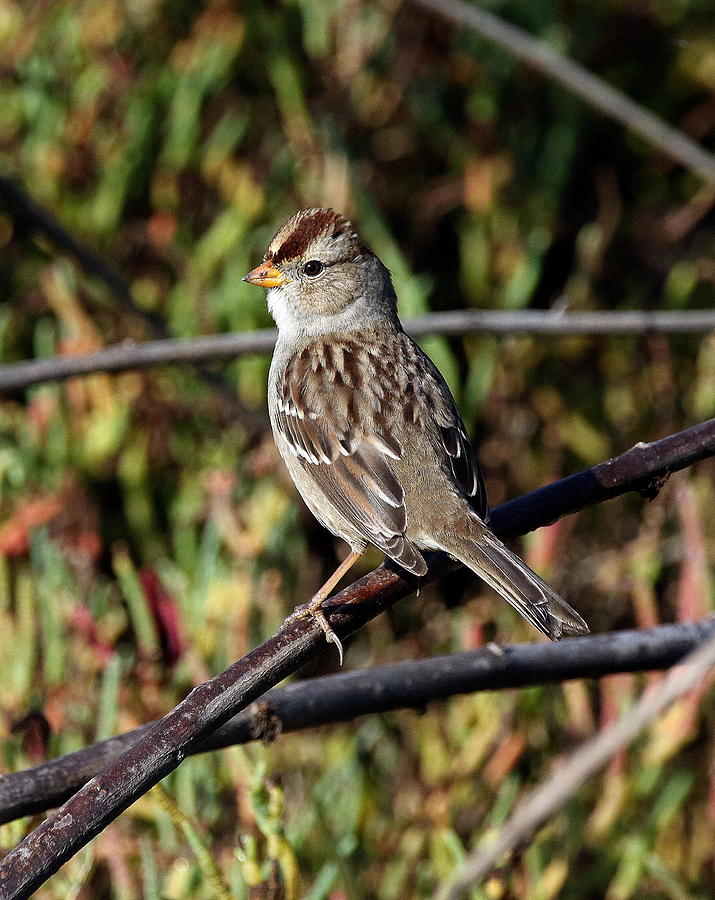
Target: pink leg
313,608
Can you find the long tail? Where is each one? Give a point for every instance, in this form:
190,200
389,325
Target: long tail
539,604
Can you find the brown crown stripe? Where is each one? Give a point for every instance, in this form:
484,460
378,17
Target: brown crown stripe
306,230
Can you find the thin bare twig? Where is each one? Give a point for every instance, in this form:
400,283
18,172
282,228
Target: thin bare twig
32,217
130,355
161,749
344,697
579,81
573,773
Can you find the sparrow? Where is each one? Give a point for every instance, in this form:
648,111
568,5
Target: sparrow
367,426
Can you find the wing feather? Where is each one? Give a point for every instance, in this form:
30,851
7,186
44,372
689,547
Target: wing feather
330,396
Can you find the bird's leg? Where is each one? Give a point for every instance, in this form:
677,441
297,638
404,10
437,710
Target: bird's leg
313,608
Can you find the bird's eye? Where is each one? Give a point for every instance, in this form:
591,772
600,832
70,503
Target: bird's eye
313,267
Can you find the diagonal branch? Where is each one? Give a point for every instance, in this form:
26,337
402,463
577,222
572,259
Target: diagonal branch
29,215
579,81
404,685
130,355
162,748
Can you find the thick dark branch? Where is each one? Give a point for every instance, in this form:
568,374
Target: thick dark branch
579,81
130,355
210,705
405,685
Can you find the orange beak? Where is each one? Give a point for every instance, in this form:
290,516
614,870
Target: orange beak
266,275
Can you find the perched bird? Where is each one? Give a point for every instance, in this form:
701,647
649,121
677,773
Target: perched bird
367,426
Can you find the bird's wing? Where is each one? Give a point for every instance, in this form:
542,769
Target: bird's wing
428,403
332,412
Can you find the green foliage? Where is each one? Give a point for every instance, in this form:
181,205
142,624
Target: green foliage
148,538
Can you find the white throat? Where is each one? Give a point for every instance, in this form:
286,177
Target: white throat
298,324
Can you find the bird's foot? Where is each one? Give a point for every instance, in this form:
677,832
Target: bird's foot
313,609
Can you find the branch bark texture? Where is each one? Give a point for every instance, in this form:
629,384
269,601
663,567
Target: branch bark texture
210,705
404,685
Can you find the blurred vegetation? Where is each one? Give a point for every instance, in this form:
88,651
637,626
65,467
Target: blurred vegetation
148,538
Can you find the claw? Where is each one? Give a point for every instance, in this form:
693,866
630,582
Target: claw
314,607
330,636
313,610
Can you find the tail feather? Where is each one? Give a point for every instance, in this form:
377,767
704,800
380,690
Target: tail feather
538,603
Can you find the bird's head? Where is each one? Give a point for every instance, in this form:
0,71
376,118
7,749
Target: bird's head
321,278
